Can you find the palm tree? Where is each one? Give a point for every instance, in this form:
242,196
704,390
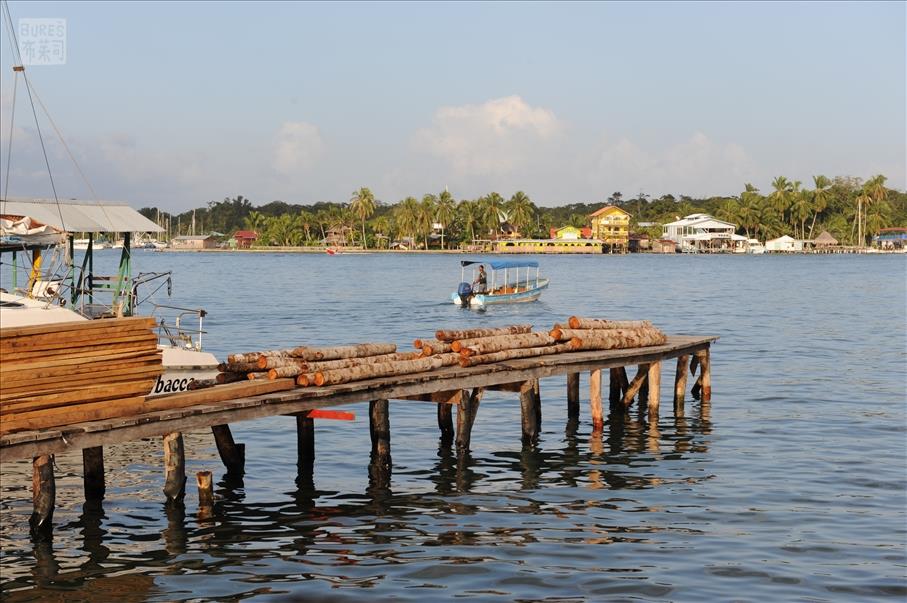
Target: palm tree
469,215
446,210
520,210
729,211
491,206
877,193
780,197
382,229
799,208
426,216
307,220
363,205
255,221
750,201
407,216
820,197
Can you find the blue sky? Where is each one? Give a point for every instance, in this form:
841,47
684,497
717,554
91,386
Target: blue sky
176,105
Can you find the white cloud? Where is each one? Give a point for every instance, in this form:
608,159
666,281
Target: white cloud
493,138
299,145
698,166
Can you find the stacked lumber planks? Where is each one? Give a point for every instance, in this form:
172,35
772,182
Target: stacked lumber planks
63,373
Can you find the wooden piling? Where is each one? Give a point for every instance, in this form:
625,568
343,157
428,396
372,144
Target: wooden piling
93,473
380,428
595,399
705,374
466,416
614,386
305,444
654,382
680,380
642,374
174,467
530,416
644,386
232,454
445,423
572,396
44,495
205,489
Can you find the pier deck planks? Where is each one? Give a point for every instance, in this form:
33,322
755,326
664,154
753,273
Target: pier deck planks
30,444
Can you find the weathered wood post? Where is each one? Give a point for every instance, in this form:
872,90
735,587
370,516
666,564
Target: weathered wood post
529,421
654,381
644,386
705,374
205,489
595,399
379,467
232,454
44,495
445,423
305,443
466,416
572,396
380,429
614,386
93,473
537,403
174,467
680,381
642,374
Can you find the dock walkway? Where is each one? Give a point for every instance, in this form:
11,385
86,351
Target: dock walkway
447,387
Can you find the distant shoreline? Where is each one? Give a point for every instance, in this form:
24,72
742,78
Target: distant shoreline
323,251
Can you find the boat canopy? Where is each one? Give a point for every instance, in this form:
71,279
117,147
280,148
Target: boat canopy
503,264
80,216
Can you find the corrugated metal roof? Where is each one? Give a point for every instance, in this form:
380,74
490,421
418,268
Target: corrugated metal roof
80,216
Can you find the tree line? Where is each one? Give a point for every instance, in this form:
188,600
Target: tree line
851,209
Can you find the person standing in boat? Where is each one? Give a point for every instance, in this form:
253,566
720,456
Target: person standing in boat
480,285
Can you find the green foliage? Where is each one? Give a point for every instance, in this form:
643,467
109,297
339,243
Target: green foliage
845,206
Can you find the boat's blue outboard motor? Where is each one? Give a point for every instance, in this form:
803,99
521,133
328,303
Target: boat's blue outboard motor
465,293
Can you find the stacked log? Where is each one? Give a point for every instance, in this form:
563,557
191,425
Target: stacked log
376,369
600,334
64,373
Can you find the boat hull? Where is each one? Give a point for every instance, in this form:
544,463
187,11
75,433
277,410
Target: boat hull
484,299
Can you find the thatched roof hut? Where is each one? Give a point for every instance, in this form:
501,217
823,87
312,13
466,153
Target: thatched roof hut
825,240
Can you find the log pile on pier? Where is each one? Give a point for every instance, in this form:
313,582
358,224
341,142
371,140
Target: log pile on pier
323,366
56,374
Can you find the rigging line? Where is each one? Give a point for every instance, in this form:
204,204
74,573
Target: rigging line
9,151
34,111
94,194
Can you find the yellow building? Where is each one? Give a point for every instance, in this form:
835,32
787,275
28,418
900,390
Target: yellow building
611,225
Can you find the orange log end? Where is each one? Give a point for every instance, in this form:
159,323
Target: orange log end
272,374
417,343
262,362
302,381
573,321
319,379
576,343
456,346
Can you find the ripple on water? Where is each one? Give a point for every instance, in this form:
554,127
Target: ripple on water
790,485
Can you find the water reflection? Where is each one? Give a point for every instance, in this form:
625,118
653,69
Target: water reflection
315,527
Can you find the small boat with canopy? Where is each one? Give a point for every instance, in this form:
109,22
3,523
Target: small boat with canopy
506,282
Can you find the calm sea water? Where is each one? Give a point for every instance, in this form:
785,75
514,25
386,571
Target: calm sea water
789,485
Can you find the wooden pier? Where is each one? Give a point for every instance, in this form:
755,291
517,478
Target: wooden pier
446,387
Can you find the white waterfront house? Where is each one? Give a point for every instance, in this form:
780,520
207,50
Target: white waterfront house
702,232
785,243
